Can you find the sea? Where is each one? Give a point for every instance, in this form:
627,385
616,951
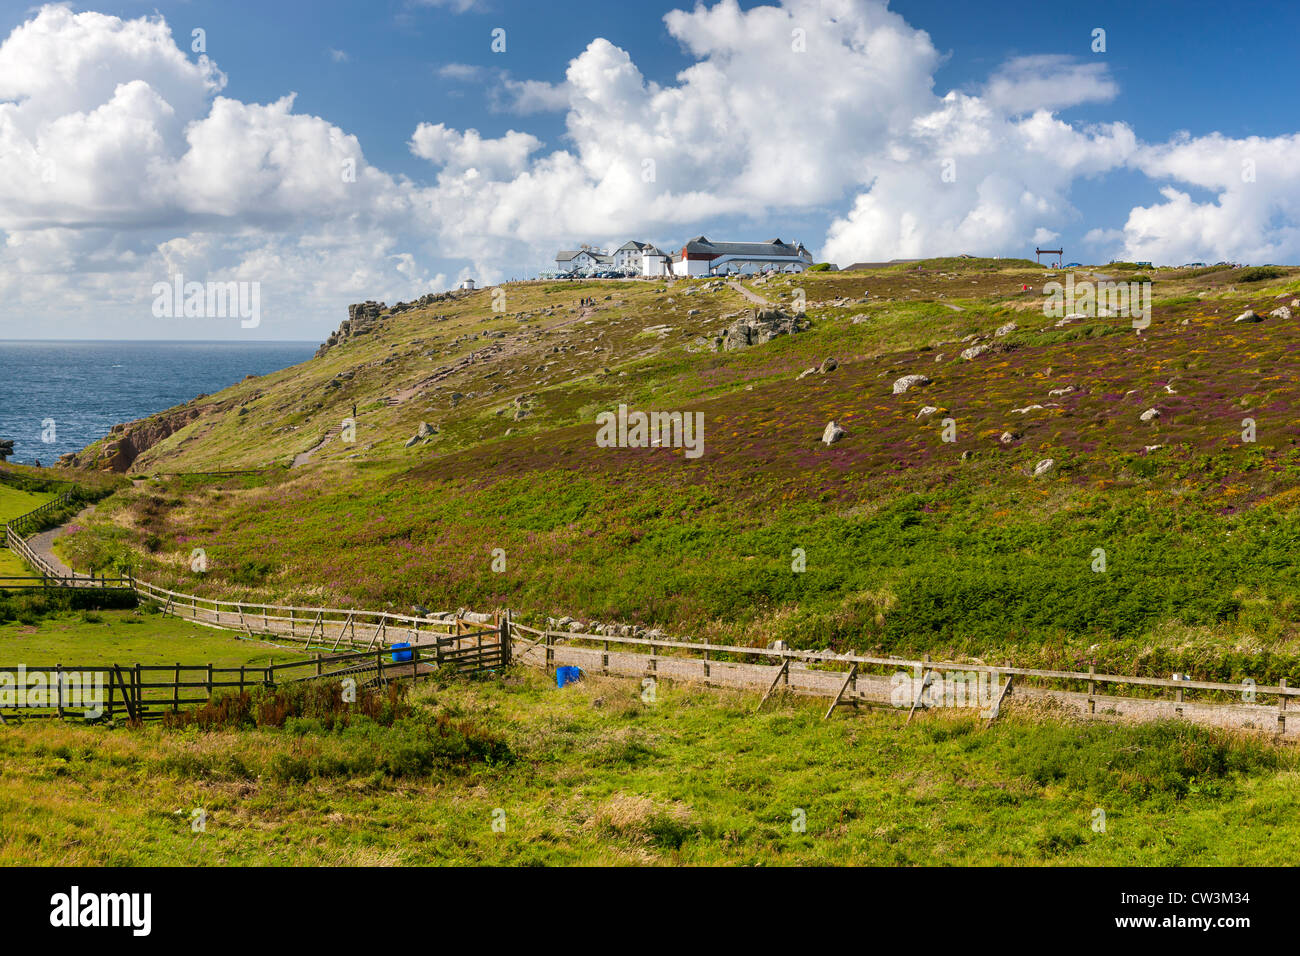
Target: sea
58,397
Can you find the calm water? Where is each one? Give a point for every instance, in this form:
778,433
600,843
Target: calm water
87,387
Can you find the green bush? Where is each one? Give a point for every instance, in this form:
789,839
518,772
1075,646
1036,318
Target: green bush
1260,273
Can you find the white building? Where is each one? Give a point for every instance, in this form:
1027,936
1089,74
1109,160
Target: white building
629,254
583,260
467,285
701,257
656,262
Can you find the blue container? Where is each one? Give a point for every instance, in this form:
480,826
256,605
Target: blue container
402,657
567,675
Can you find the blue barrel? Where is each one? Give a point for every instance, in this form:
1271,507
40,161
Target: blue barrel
567,675
402,657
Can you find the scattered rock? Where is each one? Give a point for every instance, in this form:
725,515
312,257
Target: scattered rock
1150,415
1280,313
1008,437
926,412
833,433
1005,329
909,381
1044,466
1248,316
974,352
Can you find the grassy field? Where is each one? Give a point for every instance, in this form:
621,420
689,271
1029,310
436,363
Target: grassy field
595,774
129,637
15,502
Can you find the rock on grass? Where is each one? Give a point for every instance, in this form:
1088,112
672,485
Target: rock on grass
909,381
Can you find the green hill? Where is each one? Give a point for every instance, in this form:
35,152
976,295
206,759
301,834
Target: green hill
909,543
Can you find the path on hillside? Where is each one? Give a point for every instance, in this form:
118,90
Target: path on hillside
43,545
302,458
752,296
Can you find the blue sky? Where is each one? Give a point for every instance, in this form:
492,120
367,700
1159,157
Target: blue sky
1136,151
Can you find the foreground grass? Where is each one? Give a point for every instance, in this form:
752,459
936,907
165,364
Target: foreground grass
592,774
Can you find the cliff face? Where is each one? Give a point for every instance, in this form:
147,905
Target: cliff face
127,442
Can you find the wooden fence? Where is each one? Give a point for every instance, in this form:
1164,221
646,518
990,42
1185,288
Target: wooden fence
875,681
314,626
141,692
845,680
47,576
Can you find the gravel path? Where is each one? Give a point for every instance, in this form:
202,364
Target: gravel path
43,545
752,296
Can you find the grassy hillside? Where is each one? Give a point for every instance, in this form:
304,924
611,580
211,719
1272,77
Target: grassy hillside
911,543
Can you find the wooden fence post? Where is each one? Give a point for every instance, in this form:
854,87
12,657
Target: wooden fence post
1281,707
58,677
505,639
176,689
209,682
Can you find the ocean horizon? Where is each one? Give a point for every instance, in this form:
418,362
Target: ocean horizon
59,395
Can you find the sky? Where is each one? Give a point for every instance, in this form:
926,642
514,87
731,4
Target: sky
323,153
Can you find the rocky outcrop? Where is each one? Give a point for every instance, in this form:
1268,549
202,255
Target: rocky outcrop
128,441
366,317
756,327
362,319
